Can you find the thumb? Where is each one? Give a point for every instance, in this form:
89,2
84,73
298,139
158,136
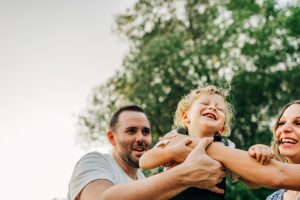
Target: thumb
203,144
216,189
251,152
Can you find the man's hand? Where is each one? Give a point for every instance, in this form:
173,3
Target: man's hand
201,170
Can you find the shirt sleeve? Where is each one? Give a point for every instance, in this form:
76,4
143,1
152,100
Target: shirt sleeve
92,166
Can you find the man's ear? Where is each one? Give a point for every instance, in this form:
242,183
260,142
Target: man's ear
110,137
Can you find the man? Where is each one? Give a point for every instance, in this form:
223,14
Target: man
101,177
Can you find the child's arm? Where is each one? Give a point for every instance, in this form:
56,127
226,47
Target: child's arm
166,150
155,157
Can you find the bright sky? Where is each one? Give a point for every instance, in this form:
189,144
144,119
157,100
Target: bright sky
52,53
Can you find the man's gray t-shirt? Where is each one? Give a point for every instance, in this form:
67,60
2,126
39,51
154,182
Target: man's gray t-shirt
94,166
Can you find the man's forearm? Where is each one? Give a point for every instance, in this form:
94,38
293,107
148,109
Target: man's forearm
158,187
274,175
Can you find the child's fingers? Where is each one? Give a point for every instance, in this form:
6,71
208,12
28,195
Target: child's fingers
267,160
258,152
188,141
269,156
216,189
185,144
171,134
189,149
264,157
262,153
251,152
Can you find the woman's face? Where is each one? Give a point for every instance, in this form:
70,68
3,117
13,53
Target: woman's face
206,115
288,133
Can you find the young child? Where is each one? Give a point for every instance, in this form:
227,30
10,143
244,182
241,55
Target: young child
204,112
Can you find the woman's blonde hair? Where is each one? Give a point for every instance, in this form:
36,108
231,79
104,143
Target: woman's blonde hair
274,144
186,102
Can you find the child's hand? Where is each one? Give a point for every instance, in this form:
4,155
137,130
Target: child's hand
179,147
262,153
172,134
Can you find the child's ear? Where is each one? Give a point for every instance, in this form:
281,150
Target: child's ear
222,130
185,119
111,138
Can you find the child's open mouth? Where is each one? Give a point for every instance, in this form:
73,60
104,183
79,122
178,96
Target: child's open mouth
210,115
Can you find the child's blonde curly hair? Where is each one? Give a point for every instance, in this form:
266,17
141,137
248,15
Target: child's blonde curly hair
186,102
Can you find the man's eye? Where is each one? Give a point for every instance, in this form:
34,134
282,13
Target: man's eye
146,132
131,131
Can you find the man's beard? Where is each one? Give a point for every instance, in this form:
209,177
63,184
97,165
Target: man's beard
129,160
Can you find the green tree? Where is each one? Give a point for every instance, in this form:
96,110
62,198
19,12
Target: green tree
178,45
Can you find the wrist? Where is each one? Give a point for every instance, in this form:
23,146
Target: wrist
182,176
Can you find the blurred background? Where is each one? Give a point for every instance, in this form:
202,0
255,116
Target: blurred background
52,53
67,65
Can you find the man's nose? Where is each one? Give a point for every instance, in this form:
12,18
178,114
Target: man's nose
139,136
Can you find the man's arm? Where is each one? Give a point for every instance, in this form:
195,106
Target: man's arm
92,190
198,170
162,186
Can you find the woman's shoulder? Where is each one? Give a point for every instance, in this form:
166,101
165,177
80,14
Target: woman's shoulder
276,195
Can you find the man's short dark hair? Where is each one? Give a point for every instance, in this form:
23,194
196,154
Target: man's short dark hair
114,120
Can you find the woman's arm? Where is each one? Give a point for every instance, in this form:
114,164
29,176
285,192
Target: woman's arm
274,175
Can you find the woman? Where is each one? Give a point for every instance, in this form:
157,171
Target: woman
286,143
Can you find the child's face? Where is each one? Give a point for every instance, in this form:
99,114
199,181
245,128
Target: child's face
206,115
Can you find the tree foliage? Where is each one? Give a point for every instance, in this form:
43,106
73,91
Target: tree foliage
176,45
